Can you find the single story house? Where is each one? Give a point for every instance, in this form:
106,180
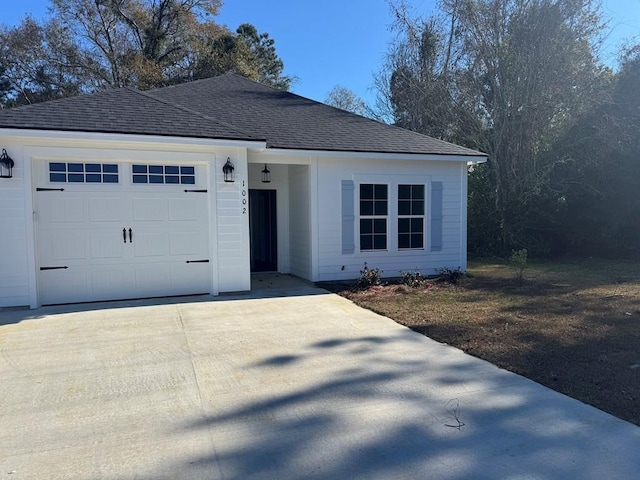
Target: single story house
190,188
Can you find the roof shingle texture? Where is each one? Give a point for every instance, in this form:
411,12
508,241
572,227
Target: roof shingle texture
122,110
226,107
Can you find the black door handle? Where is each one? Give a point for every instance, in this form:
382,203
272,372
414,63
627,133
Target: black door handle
124,235
130,236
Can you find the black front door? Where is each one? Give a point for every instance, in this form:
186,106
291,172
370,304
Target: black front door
263,232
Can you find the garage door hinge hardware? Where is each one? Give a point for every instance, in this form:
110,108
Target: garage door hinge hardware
53,268
40,189
195,191
197,261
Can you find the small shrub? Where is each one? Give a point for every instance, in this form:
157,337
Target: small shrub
519,261
449,275
412,279
369,277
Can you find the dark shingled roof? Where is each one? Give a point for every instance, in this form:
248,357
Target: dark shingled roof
122,110
226,107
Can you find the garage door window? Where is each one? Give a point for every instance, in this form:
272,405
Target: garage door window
167,174
83,172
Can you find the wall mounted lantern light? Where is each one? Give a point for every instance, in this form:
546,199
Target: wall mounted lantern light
228,169
6,165
266,174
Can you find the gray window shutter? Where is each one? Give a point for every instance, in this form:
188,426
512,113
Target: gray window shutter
348,217
436,216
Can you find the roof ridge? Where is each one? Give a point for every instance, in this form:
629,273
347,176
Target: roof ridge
194,112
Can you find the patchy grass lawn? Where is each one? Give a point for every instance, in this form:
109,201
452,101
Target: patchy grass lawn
572,326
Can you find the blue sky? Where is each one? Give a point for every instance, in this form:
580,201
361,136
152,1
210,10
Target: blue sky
330,42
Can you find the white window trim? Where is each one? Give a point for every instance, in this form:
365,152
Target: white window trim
386,217
423,217
392,181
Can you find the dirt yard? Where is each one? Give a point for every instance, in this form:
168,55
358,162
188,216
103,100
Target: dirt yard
572,326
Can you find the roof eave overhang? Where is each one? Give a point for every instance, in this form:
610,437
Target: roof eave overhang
440,157
65,135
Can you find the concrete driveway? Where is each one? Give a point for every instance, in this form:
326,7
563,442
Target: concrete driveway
278,387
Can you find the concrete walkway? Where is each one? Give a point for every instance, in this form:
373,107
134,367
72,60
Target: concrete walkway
265,386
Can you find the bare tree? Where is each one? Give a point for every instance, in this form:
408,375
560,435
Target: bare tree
505,76
345,99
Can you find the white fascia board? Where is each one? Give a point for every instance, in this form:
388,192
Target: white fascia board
61,135
375,156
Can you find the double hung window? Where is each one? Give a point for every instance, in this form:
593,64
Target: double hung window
410,216
374,210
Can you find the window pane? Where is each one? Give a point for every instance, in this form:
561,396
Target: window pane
366,191
172,170
75,167
403,241
366,207
366,242
139,179
416,240
109,178
418,207
404,191
380,192
58,177
57,167
188,180
403,225
379,242
404,207
110,168
155,169
187,170
139,169
172,179
416,225
76,177
366,226
94,178
380,225
156,179
93,167
381,207
417,192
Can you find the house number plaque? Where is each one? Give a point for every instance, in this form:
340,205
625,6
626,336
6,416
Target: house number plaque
244,198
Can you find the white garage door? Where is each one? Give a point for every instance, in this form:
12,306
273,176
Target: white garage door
108,231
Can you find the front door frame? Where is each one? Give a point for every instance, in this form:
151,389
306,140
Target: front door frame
263,228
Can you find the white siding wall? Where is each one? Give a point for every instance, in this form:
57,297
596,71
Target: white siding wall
333,265
232,212
14,252
300,215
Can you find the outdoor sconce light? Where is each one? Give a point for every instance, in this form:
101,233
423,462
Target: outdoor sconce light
266,174
6,165
228,169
